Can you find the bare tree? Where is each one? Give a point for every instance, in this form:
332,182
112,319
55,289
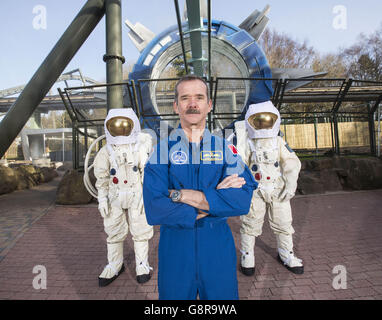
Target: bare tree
331,63
364,59
284,52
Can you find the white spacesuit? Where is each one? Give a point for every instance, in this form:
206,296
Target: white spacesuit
275,167
119,167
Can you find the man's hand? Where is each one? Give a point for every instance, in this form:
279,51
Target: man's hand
232,181
198,200
194,198
201,214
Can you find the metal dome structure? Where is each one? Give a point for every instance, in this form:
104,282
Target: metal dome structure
235,46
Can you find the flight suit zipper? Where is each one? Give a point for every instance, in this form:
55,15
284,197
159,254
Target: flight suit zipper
196,175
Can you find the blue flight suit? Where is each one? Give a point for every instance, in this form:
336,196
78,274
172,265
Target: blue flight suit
195,256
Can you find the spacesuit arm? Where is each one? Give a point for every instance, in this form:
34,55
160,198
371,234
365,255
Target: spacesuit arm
290,165
159,208
102,173
144,151
232,201
242,142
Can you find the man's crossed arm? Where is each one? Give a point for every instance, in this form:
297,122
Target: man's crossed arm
198,200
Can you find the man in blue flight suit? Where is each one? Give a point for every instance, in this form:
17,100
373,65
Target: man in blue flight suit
192,183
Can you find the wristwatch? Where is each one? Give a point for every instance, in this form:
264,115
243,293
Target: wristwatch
176,195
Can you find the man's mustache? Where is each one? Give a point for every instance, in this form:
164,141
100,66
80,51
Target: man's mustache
192,111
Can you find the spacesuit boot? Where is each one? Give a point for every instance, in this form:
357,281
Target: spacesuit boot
115,266
286,255
247,261
141,249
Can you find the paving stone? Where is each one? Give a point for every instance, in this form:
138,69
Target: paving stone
70,243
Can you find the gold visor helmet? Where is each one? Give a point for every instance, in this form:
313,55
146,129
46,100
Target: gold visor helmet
120,126
262,120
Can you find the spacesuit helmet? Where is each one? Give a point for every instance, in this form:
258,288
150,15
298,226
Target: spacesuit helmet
121,126
262,120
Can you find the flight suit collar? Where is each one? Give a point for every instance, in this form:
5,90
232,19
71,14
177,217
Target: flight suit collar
179,132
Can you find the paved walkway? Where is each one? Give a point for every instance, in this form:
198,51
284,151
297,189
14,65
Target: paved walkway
337,234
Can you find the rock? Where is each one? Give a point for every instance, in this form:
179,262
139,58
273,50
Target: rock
364,174
309,183
48,174
317,164
329,153
71,189
28,176
4,162
343,163
339,173
8,181
67,165
57,164
330,180
32,173
42,162
24,176
25,180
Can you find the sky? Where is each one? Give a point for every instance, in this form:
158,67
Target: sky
26,39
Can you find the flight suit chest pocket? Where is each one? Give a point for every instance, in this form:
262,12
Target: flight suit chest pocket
210,175
178,176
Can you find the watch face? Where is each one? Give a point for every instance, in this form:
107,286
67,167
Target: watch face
175,196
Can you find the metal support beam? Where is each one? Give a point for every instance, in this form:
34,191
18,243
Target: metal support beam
341,94
113,56
379,132
195,28
346,84
209,37
281,98
374,141
181,34
336,136
276,91
373,145
377,103
51,68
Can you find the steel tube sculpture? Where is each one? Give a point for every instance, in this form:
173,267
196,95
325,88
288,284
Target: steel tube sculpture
51,68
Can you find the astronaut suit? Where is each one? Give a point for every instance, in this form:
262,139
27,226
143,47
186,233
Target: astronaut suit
275,167
119,167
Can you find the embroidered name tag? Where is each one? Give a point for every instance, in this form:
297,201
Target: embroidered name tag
211,156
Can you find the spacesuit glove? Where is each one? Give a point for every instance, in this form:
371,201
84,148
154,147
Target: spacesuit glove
103,207
285,195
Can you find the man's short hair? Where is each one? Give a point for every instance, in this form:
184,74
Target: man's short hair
191,77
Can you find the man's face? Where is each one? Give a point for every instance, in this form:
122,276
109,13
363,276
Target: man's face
192,105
